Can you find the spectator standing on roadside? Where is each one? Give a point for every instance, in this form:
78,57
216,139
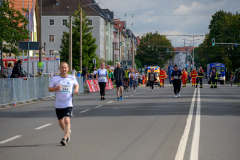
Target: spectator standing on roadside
231,80
84,75
8,73
95,72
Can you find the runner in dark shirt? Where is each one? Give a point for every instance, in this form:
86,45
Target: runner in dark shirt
176,77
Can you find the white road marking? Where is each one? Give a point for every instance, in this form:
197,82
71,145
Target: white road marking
98,106
110,102
10,139
84,111
125,96
41,127
183,142
196,134
131,95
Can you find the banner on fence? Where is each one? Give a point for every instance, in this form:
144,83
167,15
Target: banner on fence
90,86
96,86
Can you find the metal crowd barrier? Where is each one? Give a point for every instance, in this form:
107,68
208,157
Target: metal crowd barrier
17,90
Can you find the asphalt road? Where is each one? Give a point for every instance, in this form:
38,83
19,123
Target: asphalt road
201,124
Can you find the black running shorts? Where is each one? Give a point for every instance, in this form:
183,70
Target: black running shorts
63,112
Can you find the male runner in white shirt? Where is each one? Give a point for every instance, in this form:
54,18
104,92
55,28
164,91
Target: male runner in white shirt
62,86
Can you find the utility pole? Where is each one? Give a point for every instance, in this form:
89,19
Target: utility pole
133,56
70,44
119,45
105,36
113,55
40,33
1,49
80,55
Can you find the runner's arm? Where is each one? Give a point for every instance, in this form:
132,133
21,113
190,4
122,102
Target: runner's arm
76,88
53,89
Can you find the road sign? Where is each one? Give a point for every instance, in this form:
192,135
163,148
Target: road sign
24,45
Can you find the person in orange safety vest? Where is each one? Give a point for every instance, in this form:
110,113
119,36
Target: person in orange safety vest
162,77
184,77
193,74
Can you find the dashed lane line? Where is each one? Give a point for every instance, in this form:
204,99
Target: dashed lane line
41,127
110,102
98,106
84,111
10,139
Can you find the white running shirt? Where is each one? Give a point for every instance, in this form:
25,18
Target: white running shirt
135,76
102,75
64,96
95,72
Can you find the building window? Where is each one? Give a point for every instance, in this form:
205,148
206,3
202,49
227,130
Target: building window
51,22
51,52
51,38
64,22
90,22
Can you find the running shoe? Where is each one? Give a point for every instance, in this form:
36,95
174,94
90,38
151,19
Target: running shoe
68,138
118,99
63,142
175,95
103,98
178,94
121,98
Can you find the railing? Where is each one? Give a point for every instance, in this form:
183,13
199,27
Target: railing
17,90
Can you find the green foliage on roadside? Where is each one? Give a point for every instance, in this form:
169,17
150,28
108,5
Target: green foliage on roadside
11,29
89,46
152,49
225,28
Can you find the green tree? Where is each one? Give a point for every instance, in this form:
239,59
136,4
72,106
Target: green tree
89,46
138,63
12,29
152,50
225,28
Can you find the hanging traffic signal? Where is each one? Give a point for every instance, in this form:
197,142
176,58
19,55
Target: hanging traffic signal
213,41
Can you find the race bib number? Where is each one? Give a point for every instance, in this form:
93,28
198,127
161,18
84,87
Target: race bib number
176,77
102,78
65,88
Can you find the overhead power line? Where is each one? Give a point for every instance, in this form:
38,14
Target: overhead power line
168,15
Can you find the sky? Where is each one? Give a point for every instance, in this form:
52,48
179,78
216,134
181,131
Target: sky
170,17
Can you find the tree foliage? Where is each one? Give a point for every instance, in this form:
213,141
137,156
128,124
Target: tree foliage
12,26
152,50
225,28
89,46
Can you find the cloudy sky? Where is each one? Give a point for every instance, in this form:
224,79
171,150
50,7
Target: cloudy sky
169,17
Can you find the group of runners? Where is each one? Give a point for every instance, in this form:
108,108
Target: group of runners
64,83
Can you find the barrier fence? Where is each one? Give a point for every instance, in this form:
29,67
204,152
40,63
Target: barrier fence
17,90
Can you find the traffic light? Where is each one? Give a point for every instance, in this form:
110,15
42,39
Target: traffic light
213,41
